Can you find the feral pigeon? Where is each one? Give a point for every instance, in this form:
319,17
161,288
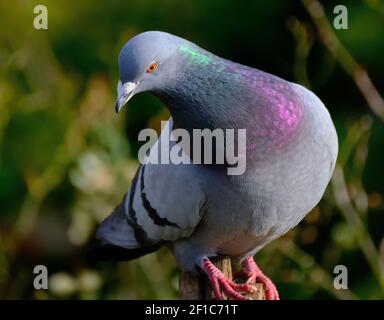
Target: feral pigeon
199,210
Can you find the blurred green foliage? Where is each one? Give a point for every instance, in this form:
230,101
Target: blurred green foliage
66,159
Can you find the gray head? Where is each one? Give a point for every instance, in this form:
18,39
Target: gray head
144,62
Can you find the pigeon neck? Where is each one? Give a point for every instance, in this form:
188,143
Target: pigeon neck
202,93
210,92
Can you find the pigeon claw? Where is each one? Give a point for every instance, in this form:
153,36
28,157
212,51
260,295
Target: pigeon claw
252,273
222,285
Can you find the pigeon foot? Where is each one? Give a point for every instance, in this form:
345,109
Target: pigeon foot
222,285
252,273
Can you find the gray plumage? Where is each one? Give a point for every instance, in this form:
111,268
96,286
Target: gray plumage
199,210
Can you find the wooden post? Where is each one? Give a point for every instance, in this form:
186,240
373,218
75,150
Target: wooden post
196,286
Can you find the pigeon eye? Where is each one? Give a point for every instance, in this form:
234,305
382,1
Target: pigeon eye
152,67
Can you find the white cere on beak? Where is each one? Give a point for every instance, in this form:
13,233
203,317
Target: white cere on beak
124,93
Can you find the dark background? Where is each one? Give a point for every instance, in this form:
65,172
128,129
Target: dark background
66,159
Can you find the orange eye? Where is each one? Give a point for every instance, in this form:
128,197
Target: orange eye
152,67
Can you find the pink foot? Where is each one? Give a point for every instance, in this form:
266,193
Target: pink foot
252,273
221,285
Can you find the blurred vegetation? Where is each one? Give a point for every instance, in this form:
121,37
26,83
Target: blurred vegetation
66,159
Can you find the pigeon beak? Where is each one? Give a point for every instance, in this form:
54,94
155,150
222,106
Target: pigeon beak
124,93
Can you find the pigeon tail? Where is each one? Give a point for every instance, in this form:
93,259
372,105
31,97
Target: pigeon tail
107,252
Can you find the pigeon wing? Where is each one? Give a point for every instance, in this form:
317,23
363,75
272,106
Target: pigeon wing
165,202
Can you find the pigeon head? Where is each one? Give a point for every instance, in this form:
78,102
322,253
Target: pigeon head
145,63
